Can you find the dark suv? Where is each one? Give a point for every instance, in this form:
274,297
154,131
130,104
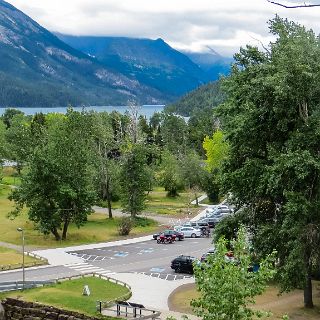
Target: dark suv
179,235
183,264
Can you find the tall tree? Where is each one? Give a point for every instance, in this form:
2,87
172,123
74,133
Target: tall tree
19,139
104,143
228,286
8,115
271,120
57,187
170,176
192,172
134,180
174,131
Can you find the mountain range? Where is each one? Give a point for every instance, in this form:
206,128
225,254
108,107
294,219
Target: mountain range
38,68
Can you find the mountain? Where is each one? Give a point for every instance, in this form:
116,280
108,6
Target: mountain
38,69
211,62
152,62
203,98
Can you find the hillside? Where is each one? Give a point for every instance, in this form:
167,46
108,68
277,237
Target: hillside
204,97
38,69
152,62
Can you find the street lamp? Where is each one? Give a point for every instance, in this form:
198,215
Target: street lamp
23,273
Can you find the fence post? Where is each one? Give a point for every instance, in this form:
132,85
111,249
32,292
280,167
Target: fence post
134,312
118,310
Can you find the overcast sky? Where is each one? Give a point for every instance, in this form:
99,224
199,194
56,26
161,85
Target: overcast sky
224,25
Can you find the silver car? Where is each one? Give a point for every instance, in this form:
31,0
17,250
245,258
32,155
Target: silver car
190,232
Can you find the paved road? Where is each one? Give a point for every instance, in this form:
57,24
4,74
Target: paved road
146,257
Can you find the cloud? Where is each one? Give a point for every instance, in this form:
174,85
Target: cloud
189,24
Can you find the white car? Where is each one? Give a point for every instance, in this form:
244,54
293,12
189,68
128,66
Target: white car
190,232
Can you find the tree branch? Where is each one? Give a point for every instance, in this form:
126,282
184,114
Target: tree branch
293,7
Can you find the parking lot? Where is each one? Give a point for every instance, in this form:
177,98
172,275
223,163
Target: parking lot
147,257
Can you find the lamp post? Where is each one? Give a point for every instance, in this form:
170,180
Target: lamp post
23,273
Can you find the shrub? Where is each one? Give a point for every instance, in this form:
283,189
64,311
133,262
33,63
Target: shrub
125,226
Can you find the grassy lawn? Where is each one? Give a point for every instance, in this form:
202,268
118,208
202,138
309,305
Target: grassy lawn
158,202
10,176
288,303
97,229
12,257
68,294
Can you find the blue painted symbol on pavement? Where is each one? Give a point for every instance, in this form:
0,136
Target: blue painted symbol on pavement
121,254
157,269
147,250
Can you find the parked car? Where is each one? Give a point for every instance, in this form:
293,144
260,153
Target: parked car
183,264
179,235
205,255
166,238
218,211
211,222
199,224
190,232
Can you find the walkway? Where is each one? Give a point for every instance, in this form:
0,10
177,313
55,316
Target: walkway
152,292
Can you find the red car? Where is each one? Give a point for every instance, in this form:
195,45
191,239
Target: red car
178,235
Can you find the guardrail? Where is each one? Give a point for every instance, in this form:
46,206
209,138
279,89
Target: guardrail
127,308
26,265
18,285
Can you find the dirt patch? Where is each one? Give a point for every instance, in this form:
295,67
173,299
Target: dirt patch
288,303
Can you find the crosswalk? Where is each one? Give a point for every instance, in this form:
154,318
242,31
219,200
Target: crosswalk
164,276
84,267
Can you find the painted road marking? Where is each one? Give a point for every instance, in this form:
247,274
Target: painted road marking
121,254
157,269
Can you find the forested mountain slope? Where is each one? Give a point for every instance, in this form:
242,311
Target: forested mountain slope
152,62
204,97
38,69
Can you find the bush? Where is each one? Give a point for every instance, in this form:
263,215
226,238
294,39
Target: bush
142,222
125,226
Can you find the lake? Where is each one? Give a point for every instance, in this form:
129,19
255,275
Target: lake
145,110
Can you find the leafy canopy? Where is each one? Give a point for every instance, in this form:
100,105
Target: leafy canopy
228,285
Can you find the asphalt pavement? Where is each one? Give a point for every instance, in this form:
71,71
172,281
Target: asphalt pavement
140,262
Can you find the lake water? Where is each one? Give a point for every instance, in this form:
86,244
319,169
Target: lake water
145,110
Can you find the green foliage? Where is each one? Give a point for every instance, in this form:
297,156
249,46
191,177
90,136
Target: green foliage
134,180
57,187
201,124
174,132
8,115
125,225
19,139
271,122
210,185
228,287
169,175
3,142
216,149
205,97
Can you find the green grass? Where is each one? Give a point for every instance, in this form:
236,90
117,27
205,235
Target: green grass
158,202
68,294
14,258
288,303
10,176
97,229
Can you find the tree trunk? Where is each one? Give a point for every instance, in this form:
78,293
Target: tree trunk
54,231
108,195
308,301
65,230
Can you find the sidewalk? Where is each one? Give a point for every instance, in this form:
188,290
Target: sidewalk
60,256
152,292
